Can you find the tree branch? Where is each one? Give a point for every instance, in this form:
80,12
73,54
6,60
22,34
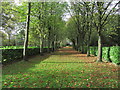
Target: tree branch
109,13
106,8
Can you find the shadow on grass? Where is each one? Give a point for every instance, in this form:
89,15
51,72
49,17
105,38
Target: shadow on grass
48,78
67,62
23,66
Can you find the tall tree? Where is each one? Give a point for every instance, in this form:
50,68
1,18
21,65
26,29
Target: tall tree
102,15
27,33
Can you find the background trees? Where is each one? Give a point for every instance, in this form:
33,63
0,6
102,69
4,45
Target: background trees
43,29
92,20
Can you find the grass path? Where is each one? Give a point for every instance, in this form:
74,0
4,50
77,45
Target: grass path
64,68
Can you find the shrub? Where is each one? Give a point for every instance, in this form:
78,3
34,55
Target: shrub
106,53
15,47
93,50
13,55
115,54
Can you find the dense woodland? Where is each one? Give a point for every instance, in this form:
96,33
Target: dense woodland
42,24
60,45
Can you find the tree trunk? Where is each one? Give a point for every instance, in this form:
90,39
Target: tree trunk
48,44
99,29
88,50
55,43
40,46
77,44
49,34
53,46
9,39
109,60
82,48
88,44
82,45
27,34
99,56
73,43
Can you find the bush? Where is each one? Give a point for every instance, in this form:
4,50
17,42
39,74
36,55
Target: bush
115,54
106,53
93,50
15,47
13,55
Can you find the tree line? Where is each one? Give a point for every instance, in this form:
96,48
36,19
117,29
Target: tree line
33,23
41,24
93,24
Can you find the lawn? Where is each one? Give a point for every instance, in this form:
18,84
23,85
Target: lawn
65,68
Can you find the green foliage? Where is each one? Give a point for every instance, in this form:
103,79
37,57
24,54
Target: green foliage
15,47
115,54
71,29
13,55
108,53
93,50
57,71
84,50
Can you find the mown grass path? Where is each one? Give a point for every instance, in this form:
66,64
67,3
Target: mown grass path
65,68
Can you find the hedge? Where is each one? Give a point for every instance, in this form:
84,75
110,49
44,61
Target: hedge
13,55
85,49
115,54
108,53
94,50
16,47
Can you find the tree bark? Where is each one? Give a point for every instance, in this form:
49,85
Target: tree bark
88,43
99,56
27,34
99,28
88,50
53,46
9,39
49,42
41,46
109,60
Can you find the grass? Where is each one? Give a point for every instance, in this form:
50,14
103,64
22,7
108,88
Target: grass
65,68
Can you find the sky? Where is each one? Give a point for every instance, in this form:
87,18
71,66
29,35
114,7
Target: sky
67,15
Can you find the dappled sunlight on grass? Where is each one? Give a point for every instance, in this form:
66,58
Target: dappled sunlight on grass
60,71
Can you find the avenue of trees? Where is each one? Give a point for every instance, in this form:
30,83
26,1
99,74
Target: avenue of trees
41,24
34,24
93,24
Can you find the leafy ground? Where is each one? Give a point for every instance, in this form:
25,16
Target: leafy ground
64,68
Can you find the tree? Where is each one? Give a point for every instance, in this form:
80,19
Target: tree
27,33
102,17
8,20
